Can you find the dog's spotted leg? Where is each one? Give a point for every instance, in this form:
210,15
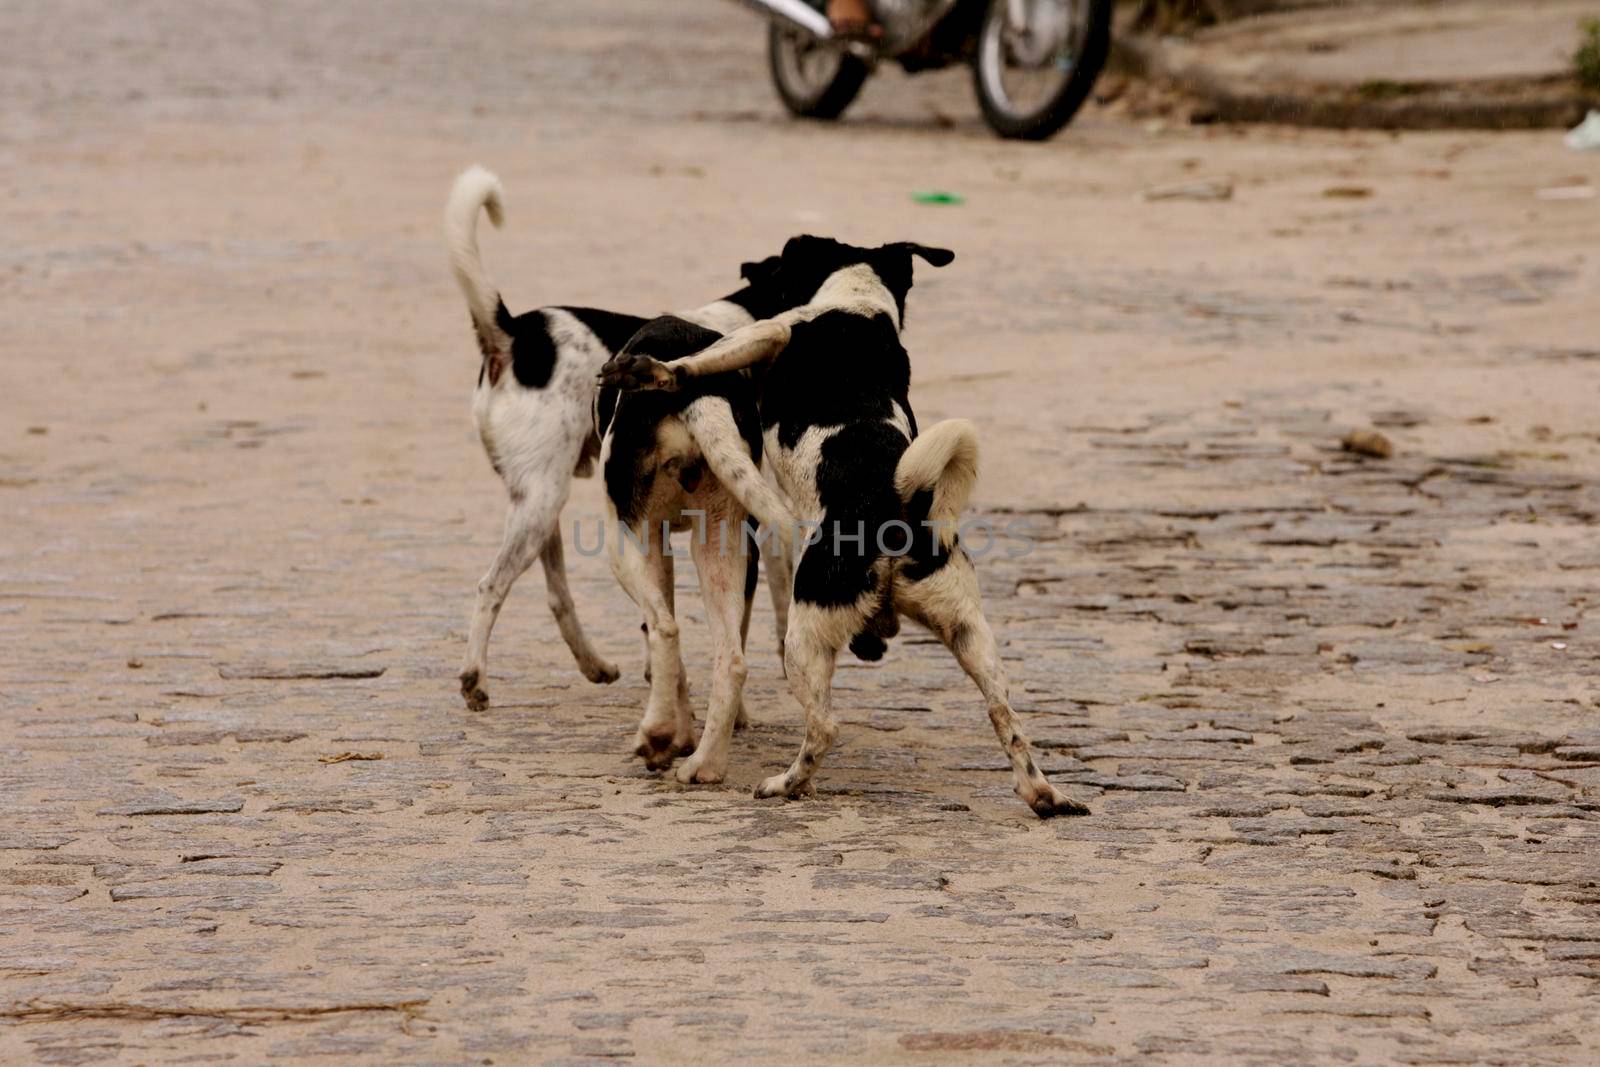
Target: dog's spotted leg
646,576
780,584
594,666
809,661
528,527
683,736
683,739
724,579
710,421
947,602
741,719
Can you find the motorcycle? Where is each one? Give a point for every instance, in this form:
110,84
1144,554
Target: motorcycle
1033,61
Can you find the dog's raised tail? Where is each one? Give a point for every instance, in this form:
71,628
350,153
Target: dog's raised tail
943,462
476,189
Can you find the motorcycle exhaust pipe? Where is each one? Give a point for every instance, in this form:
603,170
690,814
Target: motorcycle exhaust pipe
796,14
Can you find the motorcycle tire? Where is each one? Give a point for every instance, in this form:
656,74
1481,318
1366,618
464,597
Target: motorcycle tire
1046,119
826,99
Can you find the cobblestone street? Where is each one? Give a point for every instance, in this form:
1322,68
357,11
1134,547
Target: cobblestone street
1337,717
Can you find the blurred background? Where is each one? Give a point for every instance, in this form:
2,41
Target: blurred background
233,194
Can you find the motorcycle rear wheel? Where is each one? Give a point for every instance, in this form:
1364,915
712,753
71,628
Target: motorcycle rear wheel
814,80
1075,65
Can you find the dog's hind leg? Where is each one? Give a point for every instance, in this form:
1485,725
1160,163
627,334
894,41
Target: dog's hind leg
780,583
594,666
947,602
752,578
529,526
809,656
683,738
711,422
645,573
724,579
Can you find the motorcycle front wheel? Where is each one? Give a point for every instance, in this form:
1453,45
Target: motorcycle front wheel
814,80
1031,79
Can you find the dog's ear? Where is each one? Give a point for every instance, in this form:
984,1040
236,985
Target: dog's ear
937,257
761,272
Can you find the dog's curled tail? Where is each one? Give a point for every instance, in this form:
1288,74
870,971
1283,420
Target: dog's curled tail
943,462
476,189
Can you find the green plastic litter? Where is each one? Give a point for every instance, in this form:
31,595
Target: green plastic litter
936,196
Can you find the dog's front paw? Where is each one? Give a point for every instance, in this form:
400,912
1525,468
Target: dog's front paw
1050,802
779,786
698,769
473,693
600,672
630,372
659,750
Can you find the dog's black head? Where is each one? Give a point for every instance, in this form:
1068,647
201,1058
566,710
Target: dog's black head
761,295
808,261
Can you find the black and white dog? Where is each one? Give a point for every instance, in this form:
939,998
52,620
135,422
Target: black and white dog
669,459
534,411
840,436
